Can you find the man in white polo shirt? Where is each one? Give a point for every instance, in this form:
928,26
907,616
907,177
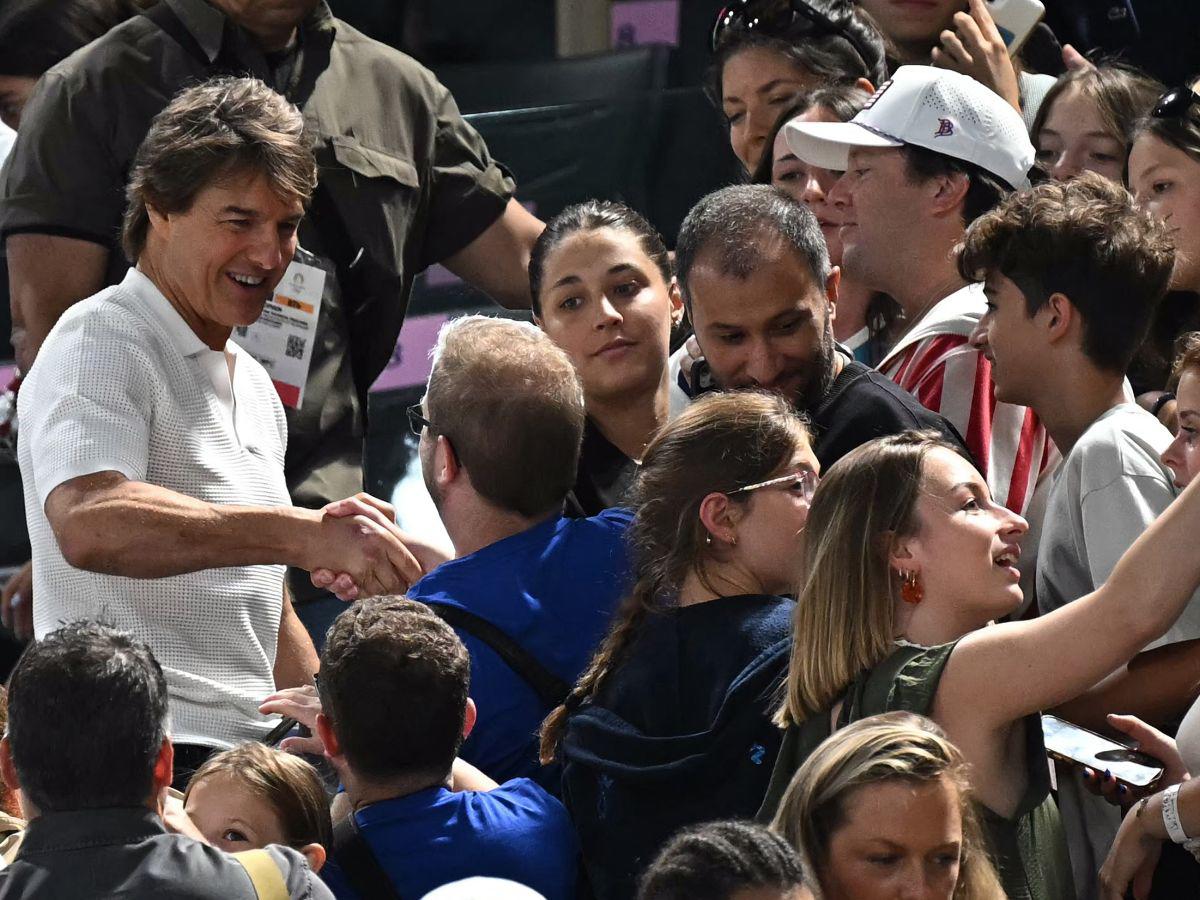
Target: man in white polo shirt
152,447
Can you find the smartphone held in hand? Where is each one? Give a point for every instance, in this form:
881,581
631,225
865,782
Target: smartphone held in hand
1070,743
1015,20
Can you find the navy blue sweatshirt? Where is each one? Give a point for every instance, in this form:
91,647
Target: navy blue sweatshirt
679,733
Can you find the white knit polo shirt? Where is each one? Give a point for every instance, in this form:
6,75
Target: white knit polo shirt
123,384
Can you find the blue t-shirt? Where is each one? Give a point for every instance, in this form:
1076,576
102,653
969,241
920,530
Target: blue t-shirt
435,836
553,590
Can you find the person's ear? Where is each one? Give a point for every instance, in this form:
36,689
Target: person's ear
902,552
158,221
333,748
865,84
720,516
164,766
832,282
446,466
949,193
1059,314
469,717
675,296
316,855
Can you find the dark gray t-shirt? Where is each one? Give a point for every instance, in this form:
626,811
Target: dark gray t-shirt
128,853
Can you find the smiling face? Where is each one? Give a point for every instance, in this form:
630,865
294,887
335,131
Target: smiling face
608,306
1074,138
965,547
1166,181
810,184
770,330
1013,341
1182,457
899,840
757,85
219,261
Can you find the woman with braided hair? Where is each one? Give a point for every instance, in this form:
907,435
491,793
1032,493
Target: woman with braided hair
670,725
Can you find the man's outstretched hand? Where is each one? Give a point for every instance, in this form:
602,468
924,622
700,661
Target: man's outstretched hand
418,556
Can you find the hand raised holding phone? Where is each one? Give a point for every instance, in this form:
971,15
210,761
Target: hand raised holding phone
975,47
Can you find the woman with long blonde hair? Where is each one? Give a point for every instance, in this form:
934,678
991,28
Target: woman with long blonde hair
884,806
908,563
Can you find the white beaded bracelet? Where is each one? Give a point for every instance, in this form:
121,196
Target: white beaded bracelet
1170,815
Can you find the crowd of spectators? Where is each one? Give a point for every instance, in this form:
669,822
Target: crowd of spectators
774,615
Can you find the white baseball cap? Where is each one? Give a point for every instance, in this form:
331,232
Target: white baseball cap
943,111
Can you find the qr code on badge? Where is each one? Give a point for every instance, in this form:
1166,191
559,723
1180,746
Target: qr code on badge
295,347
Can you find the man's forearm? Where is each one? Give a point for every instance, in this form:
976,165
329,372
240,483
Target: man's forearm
140,530
498,260
1157,686
47,274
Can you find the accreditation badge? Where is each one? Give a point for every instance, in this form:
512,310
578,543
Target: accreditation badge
282,338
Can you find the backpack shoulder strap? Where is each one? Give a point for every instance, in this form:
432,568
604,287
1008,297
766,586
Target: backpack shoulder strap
264,874
362,869
551,689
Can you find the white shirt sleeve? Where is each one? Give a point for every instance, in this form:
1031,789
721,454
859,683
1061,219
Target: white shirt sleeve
87,404
1115,515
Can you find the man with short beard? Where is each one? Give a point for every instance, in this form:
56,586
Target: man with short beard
761,295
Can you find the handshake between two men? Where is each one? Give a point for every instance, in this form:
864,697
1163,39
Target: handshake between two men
381,558
109,524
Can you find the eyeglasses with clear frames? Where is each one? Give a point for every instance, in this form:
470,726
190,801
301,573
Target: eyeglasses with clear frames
805,481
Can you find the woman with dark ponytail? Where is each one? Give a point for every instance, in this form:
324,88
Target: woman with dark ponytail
601,285
670,724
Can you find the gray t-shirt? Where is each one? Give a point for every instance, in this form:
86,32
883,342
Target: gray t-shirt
1110,487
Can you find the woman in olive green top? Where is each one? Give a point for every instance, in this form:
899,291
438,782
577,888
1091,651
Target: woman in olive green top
908,562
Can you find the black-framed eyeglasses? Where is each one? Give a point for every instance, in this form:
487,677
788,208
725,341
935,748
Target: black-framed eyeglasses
778,18
1175,103
803,482
416,420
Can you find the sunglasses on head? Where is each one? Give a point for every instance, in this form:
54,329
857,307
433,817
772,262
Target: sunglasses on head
1175,103
777,18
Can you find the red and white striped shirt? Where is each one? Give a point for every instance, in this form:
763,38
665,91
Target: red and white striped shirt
936,364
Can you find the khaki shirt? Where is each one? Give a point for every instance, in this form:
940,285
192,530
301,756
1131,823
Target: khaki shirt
404,179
